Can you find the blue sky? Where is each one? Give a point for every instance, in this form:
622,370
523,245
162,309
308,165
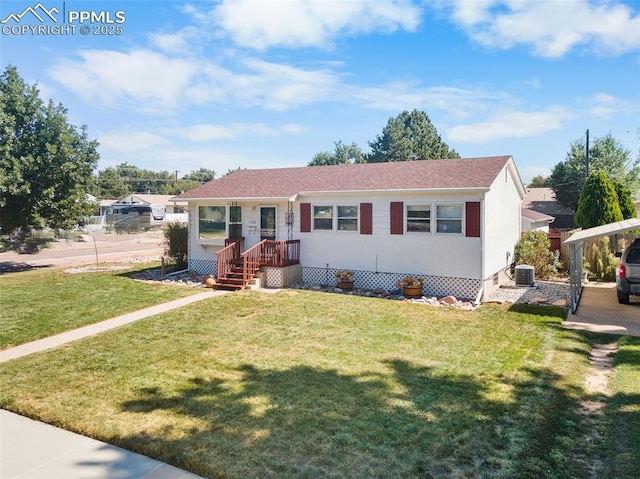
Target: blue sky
262,84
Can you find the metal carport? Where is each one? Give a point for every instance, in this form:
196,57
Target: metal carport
576,243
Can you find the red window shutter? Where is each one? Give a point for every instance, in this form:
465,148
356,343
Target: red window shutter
472,219
397,217
305,217
366,218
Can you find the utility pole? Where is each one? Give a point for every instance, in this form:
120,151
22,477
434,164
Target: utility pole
177,171
586,162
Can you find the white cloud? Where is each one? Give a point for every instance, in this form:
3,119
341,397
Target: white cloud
403,95
234,131
307,23
149,80
605,106
548,27
511,124
130,142
181,41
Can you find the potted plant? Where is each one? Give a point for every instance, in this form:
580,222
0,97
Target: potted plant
411,287
344,279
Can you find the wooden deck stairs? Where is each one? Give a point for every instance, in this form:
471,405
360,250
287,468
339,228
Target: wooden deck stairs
233,279
238,269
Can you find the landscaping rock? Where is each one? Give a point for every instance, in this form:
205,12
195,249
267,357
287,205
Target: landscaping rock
538,299
449,300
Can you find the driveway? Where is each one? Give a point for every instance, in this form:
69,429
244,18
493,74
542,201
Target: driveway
599,311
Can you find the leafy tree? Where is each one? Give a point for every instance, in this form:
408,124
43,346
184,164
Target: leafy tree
232,170
598,204
605,154
46,164
409,136
110,184
627,206
342,154
201,175
538,181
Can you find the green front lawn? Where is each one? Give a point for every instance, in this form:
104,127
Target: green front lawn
304,384
622,415
40,303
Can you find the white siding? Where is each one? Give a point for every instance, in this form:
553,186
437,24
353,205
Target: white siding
449,255
502,217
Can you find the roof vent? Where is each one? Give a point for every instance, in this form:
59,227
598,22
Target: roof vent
524,275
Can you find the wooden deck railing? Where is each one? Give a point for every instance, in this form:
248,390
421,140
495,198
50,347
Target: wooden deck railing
251,262
272,253
279,254
228,255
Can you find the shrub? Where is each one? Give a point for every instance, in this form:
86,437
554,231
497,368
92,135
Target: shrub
533,249
176,237
602,261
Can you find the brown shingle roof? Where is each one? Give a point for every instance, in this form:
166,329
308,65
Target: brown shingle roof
404,175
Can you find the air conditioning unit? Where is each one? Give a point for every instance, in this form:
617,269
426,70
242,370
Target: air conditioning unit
524,275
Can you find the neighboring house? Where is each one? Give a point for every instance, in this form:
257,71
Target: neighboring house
97,220
532,220
164,200
173,211
543,200
454,222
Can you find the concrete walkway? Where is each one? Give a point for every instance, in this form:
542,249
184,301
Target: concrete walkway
93,329
34,450
599,311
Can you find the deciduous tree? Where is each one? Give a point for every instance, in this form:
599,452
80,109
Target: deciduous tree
341,154
605,154
46,164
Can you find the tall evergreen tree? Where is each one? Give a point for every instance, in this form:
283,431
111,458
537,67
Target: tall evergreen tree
627,206
46,164
409,136
598,204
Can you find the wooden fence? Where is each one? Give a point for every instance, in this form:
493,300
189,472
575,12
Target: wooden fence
617,242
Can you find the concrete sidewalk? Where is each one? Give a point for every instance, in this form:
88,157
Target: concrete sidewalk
93,329
34,450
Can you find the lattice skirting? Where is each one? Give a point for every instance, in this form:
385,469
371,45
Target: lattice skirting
462,288
204,266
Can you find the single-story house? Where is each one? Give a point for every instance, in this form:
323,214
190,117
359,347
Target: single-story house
533,220
454,222
543,200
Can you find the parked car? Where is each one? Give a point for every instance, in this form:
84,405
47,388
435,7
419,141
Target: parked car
628,272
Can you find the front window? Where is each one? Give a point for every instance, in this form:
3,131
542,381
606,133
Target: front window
347,218
212,222
323,217
419,218
449,219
